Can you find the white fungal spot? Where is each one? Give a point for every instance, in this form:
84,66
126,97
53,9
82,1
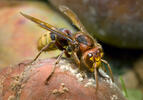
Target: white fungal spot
66,66
91,82
79,77
107,79
74,71
114,97
103,73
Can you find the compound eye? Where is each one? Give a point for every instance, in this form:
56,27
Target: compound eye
90,55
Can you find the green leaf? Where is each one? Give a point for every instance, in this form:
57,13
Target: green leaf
134,94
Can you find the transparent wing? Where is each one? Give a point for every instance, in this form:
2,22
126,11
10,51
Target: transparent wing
47,26
73,17
75,20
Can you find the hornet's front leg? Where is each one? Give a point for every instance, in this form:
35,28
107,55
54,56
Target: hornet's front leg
96,75
108,66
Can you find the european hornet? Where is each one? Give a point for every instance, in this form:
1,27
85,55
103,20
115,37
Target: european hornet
81,46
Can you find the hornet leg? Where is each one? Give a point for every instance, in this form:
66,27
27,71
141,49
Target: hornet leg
96,76
53,70
43,49
110,71
76,59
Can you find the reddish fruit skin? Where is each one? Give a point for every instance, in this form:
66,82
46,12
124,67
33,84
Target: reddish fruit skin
28,83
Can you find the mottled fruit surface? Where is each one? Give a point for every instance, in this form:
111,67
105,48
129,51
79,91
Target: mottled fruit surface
67,83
